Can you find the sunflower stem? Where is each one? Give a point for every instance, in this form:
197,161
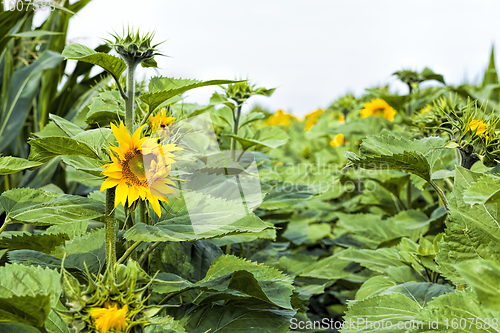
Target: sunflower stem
408,194
110,231
129,110
235,131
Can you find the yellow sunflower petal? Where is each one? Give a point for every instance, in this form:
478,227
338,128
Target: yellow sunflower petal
109,183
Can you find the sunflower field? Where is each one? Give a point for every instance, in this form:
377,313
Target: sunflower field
126,209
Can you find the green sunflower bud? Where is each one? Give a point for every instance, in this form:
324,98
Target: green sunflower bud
135,49
108,304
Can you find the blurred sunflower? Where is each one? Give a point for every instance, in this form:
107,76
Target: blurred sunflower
425,109
379,108
110,318
160,123
139,168
312,118
280,118
341,119
338,140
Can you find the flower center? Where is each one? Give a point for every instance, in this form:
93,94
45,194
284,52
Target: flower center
378,111
133,168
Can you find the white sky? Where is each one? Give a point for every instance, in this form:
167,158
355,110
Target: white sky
313,51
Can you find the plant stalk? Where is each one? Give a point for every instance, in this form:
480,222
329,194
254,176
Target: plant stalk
129,110
441,195
236,121
110,231
408,194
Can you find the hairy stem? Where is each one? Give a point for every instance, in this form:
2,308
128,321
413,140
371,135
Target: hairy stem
408,194
110,230
129,110
236,121
441,195
146,253
129,251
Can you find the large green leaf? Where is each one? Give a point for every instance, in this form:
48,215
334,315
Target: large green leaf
67,127
107,107
211,217
26,241
455,313
163,88
472,232
23,88
45,149
189,260
45,208
372,230
486,190
27,294
388,152
231,318
484,278
113,65
392,309
230,277
28,310
20,280
269,136
9,164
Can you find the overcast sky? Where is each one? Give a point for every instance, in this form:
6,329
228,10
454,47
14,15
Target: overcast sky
313,51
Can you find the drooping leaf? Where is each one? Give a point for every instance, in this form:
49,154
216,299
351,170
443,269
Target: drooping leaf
388,152
163,88
45,149
9,165
44,208
269,136
206,217
113,65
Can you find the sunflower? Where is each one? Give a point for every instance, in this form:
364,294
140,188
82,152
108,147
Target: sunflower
338,140
139,168
110,318
160,123
312,118
341,119
378,107
425,109
280,118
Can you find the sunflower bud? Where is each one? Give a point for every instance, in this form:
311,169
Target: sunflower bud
239,91
108,304
135,49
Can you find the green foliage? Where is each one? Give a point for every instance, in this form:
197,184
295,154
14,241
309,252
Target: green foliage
45,208
113,65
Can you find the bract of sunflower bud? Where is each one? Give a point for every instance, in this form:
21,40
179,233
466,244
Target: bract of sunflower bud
107,304
135,49
409,77
241,91
474,133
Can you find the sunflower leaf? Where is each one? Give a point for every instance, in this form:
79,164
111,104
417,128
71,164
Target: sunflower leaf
113,65
163,88
46,208
388,152
9,165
